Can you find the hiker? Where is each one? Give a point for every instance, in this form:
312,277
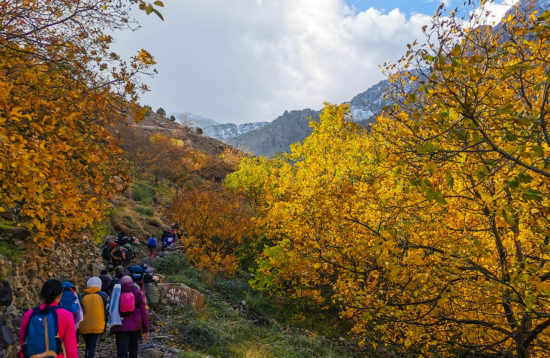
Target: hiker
135,319
106,281
168,239
120,271
70,300
151,289
118,255
94,302
48,328
152,246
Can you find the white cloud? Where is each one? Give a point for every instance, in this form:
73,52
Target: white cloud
245,60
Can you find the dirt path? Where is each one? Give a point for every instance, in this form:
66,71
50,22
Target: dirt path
154,347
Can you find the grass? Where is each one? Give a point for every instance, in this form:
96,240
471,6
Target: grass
238,321
144,210
143,193
9,250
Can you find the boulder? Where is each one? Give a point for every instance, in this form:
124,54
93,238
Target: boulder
178,293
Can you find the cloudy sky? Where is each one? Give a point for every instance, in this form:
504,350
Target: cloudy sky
250,60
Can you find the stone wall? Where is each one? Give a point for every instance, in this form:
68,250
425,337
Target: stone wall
74,261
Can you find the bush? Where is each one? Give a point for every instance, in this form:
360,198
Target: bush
144,210
169,264
143,193
9,250
199,335
100,229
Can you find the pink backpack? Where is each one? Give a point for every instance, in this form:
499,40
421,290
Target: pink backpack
127,303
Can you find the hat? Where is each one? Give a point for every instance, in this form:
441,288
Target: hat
94,282
126,280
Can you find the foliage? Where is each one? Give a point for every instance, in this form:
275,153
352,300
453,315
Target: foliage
216,224
9,250
430,230
161,112
61,87
143,193
144,210
169,264
100,229
199,130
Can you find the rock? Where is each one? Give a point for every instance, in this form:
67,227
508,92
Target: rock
179,293
152,353
7,336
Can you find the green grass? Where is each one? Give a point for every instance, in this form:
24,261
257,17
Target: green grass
238,321
9,250
144,210
143,193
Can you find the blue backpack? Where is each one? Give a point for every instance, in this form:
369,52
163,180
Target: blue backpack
136,269
152,242
42,334
69,299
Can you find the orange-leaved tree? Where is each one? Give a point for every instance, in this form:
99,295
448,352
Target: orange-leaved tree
216,224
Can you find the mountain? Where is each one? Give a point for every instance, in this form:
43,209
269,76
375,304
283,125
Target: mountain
278,135
293,126
194,120
227,132
365,106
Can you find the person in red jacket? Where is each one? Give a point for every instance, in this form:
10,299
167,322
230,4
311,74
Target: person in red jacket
134,323
51,294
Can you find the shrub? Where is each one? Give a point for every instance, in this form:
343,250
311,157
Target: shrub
100,229
144,210
143,193
9,250
199,335
169,264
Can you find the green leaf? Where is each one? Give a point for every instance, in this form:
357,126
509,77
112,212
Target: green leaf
538,149
531,194
461,133
508,218
159,3
450,180
524,178
158,14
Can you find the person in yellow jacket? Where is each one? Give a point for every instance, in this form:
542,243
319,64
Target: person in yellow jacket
94,303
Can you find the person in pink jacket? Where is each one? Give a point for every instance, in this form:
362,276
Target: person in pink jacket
51,294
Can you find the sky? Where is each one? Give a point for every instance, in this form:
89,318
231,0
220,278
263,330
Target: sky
240,61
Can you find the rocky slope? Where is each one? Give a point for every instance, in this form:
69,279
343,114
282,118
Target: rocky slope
228,131
278,135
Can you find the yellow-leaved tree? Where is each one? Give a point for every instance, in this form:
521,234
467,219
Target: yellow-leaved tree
429,230
61,88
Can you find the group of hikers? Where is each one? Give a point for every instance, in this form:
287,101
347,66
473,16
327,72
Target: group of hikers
118,302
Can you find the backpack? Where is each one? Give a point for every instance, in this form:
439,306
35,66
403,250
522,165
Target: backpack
106,252
42,335
136,269
152,243
127,303
69,299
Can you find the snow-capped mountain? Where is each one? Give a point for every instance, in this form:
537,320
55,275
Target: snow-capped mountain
228,131
194,120
367,105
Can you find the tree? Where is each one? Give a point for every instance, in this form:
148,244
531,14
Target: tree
216,222
61,89
430,231
172,118
161,112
